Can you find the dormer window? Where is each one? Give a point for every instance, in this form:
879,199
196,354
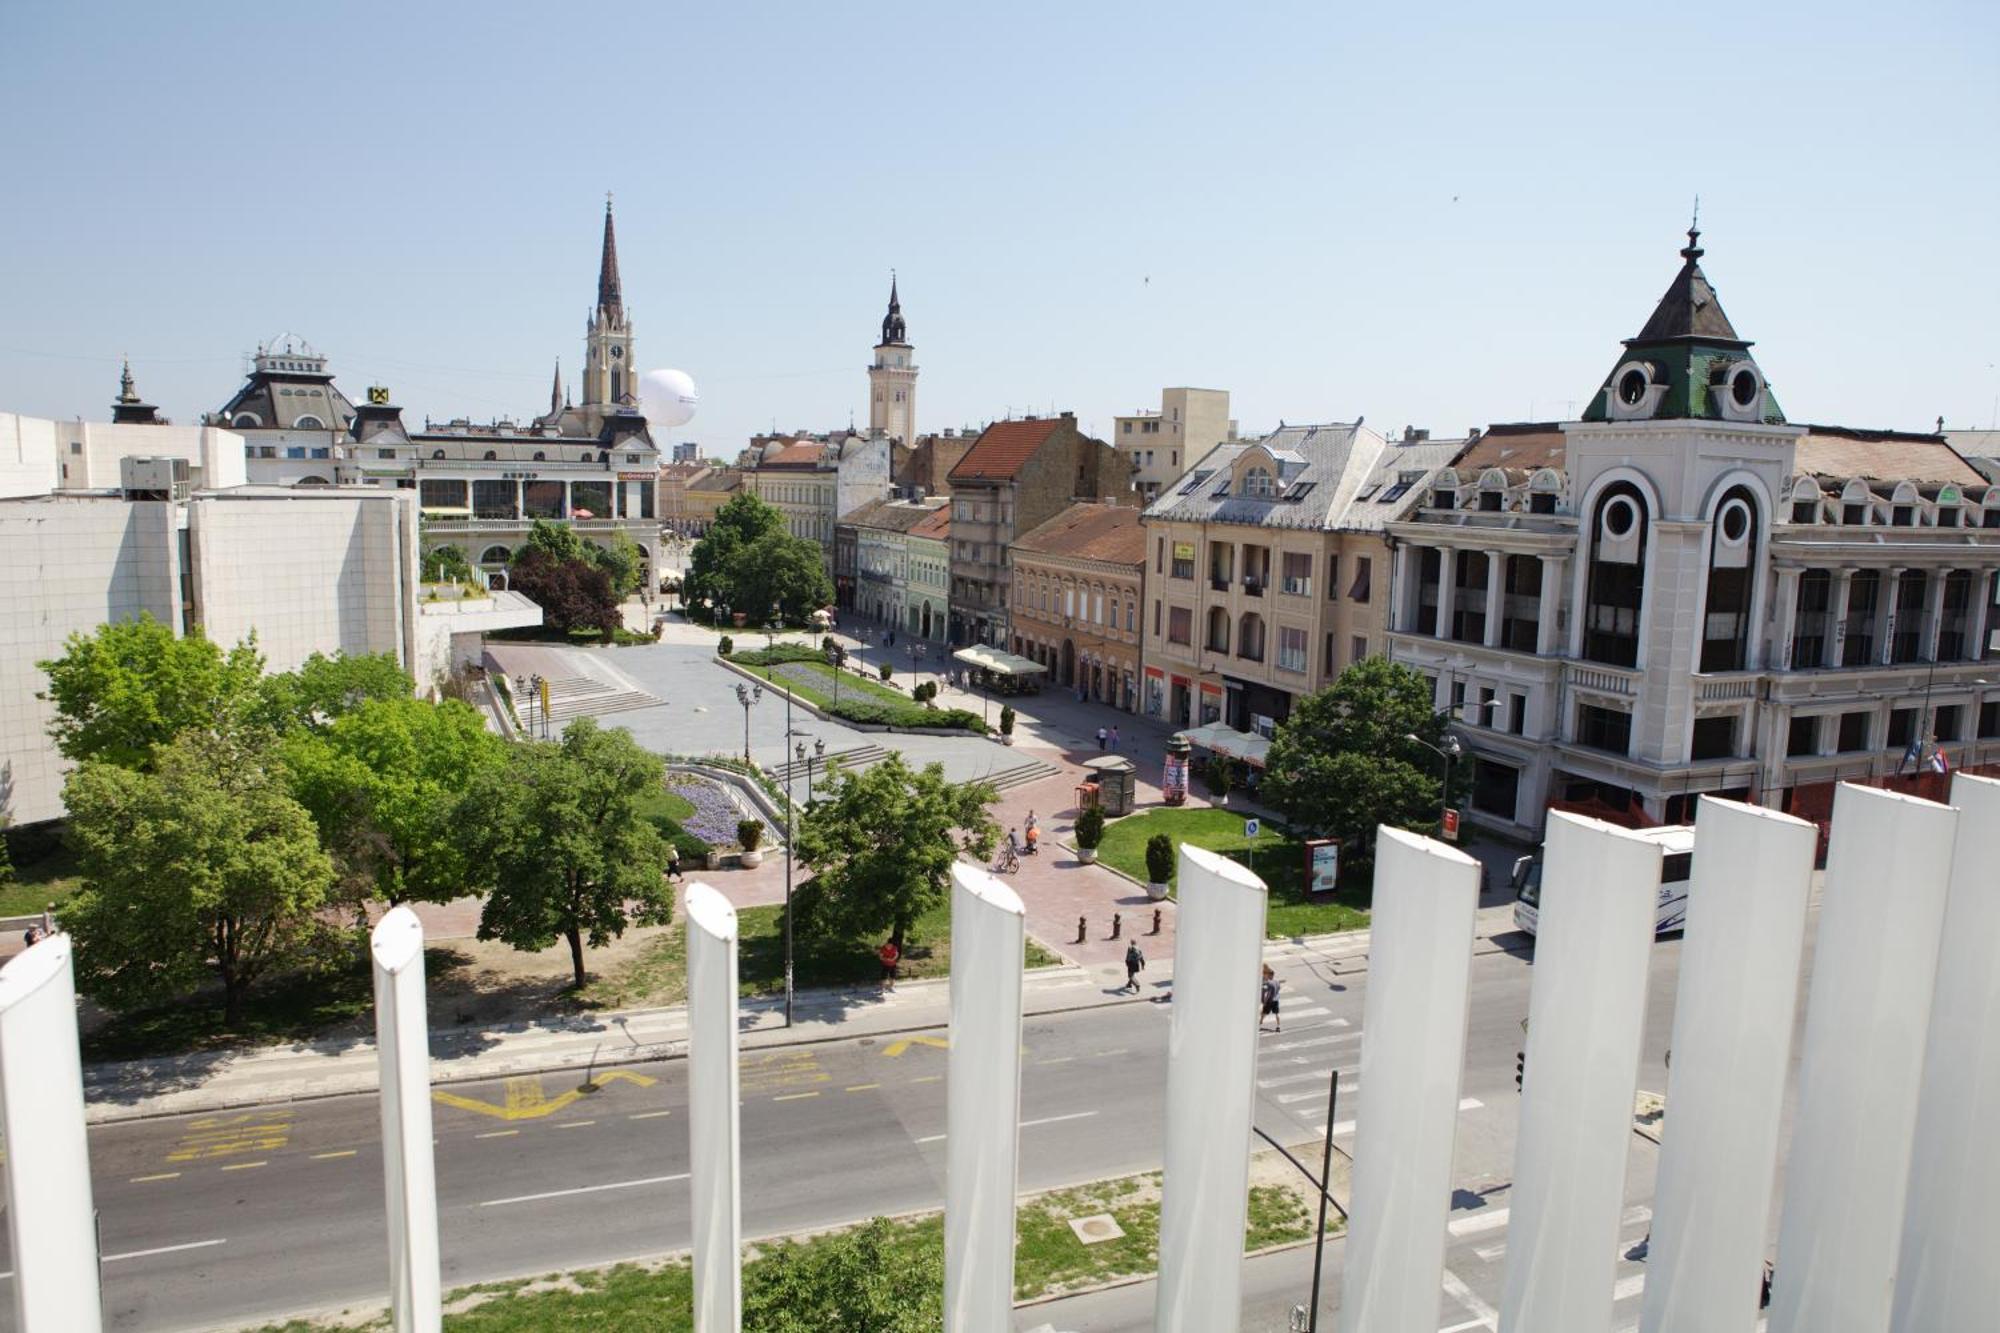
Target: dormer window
1634,394
1257,482
1738,390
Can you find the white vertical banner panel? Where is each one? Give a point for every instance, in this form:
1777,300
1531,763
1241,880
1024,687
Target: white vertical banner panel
982,1102
1951,1225
1586,1012
50,1216
714,1140
1412,1051
1211,1081
1867,1011
403,1054
1734,1011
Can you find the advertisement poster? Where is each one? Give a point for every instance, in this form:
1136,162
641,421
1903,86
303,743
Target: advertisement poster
1322,865
1173,782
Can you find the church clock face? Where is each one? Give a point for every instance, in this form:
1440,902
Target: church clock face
617,353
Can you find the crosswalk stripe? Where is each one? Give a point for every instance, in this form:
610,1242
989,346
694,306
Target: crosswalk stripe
1347,1127
1313,1096
1311,1041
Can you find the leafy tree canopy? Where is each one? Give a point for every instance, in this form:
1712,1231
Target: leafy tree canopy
204,867
741,526
621,560
1341,764
384,782
559,830
572,593
867,1280
558,540
324,689
129,687
881,843
447,564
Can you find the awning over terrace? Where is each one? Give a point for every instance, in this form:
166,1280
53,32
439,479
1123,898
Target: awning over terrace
1215,737
998,662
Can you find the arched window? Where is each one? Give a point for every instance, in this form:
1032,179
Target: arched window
1257,481
314,481
495,555
1616,592
246,421
1732,556
1250,637
1218,630
437,455
490,456
541,457
308,422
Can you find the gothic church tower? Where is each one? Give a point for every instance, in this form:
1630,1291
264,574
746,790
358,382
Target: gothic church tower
892,379
609,376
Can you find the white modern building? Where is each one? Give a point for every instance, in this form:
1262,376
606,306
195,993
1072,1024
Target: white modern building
1684,593
329,569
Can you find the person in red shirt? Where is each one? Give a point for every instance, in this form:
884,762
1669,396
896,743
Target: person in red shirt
890,956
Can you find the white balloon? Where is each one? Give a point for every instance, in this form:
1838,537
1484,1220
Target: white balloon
668,397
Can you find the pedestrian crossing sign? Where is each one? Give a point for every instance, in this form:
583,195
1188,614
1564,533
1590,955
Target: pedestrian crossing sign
1250,830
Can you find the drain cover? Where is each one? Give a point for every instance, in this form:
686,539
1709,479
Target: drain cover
1096,1229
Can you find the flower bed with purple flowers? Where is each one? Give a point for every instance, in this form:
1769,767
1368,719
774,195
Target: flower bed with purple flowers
716,812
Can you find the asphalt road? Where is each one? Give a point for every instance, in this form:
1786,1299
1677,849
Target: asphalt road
220,1219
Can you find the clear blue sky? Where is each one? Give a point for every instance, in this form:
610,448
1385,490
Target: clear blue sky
1440,215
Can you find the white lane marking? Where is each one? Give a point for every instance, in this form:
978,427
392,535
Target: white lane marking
1478,1222
1454,1287
1025,1124
164,1249
1310,1041
585,1189
1310,1011
1628,1287
1315,1075
1460,1328
1632,1217
1347,1126
1312,1096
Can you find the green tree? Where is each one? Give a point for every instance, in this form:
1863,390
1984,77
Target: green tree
384,783
559,830
324,689
881,843
129,687
447,564
621,561
206,866
741,525
1341,764
573,594
868,1280
557,540
783,571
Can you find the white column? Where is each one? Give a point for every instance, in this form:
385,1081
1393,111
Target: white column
1211,1080
403,1053
1836,626
1600,886
1873,968
1778,656
1406,594
1412,1048
1551,606
1733,1018
1889,614
49,1211
1933,612
982,1102
1951,1230
1496,587
714,1146
1447,589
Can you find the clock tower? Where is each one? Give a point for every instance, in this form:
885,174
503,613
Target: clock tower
892,378
609,376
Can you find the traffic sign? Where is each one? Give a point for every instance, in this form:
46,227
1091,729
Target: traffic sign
1249,830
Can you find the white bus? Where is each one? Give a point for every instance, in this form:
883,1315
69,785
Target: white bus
1677,858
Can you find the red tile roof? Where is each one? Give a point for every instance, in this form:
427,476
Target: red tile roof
796,456
1005,445
1090,531
937,527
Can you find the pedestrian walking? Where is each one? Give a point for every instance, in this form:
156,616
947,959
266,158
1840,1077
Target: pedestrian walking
891,956
1267,995
1114,740
673,861
1135,963
1101,737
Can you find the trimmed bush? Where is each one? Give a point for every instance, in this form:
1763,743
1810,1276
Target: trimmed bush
906,715
1006,719
749,833
778,655
1221,776
1159,858
886,671
725,646
1090,827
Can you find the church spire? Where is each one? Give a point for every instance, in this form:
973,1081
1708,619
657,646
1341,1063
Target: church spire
129,409
609,298
555,390
894,332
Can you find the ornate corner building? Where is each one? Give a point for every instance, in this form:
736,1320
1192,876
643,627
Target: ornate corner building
1684,593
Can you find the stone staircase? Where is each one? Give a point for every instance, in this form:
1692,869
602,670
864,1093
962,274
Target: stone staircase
1021,774
851,760
585,696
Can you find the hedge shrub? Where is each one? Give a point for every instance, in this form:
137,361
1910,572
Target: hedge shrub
779,654
906,715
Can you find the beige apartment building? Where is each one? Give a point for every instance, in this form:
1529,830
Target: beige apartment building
1162,445
1016,476
1078,581
1267,574
703,495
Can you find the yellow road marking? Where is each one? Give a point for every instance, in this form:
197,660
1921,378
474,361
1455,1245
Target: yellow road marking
794,1096
527,1101
243,1166
863,1087
328,1156
929,1078
164,1175
497,1134
648,1115
222,1136
896,1048
575,1124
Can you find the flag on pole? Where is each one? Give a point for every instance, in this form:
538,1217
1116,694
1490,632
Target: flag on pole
1912,757
1939,764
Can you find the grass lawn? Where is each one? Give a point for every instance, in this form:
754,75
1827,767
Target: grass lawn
817,687
670,804
1275,856
50,879
658,976
907,1255
847,961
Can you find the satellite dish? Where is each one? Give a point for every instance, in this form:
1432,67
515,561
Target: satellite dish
668,397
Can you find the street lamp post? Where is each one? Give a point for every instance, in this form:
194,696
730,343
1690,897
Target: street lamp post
819,757
748,697
1449,751
789,835
1307,1320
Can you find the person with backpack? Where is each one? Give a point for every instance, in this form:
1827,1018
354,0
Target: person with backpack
1268,994
1135,963
890,956
673,861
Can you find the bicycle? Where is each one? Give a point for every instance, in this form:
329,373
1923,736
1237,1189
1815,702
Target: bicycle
1007,861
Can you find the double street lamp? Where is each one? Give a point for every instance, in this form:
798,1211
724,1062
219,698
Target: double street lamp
747,696
1450,750
819,753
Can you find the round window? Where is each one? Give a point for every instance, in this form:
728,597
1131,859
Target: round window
1735,522
1619,517
1632,386
1743,387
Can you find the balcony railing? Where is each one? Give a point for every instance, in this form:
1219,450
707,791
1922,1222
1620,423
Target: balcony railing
1253,586
1219,582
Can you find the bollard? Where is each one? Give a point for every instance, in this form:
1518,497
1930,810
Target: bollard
1156,920
1117,924
1082,930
